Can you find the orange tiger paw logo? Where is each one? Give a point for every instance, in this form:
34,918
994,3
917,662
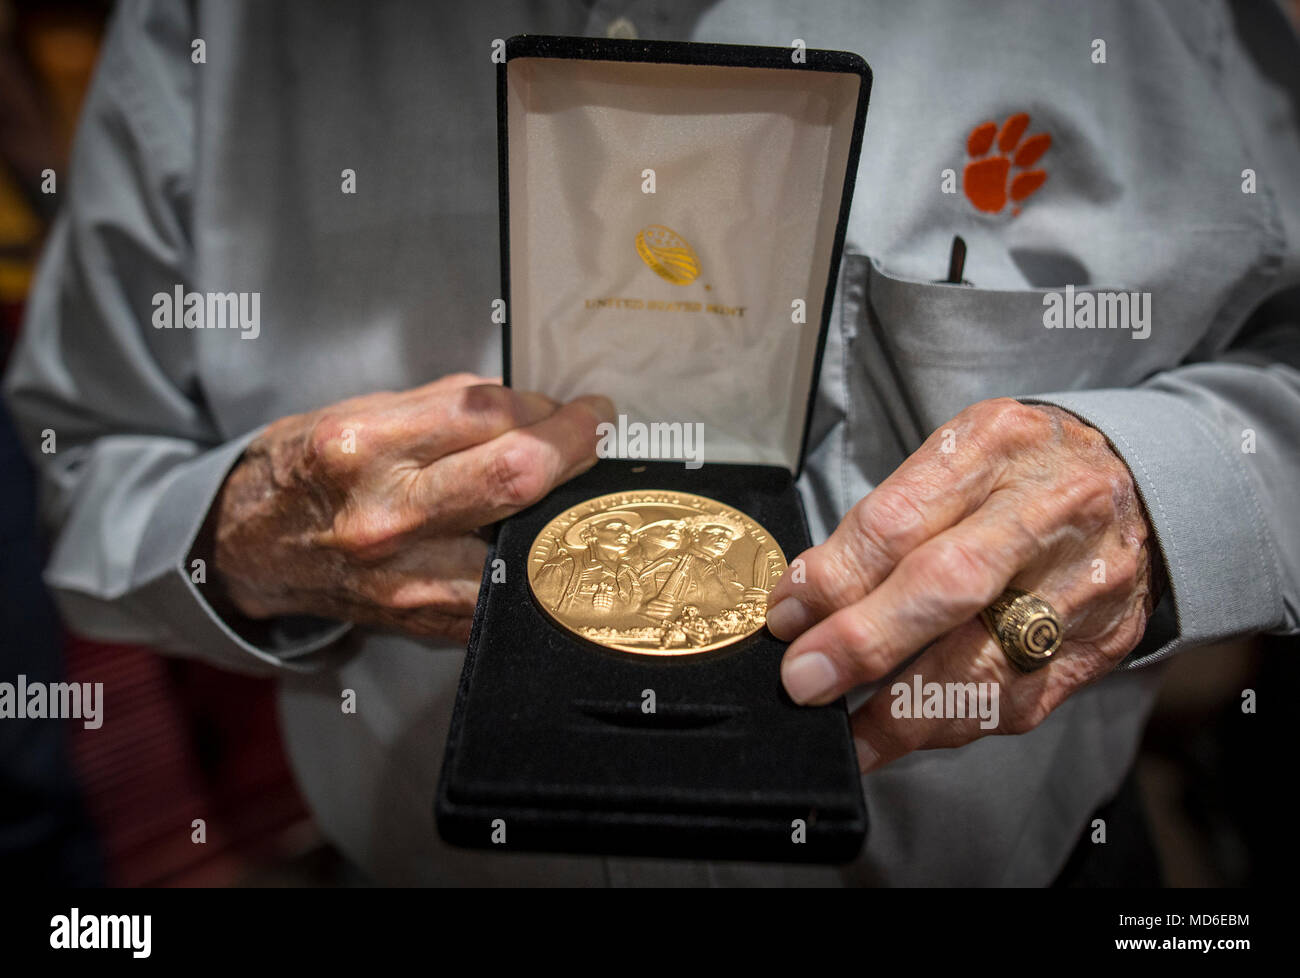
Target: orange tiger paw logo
985,179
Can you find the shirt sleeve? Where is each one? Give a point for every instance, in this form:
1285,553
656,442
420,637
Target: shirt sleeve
1214,450
1214,445
111,410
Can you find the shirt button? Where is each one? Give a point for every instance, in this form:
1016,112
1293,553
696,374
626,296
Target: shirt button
623,28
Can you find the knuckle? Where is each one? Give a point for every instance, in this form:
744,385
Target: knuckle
957,573
1029,539
839,575
1091,497
369,534
1026,525
883,516
853,634
1122,571
1091,437
862,647
1013,424
1120,483
486,402
826,574
1125,638
516,475
1000,410
333,445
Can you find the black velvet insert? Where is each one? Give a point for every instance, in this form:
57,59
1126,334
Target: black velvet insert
548,732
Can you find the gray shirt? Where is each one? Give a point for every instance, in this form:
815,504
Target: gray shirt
226,176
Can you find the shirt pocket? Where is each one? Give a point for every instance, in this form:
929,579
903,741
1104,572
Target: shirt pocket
919,352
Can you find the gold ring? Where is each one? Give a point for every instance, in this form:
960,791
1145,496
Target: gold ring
1026,626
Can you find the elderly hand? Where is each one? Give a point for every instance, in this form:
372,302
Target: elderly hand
1004,494
365,511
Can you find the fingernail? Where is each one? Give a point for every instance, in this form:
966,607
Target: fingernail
602,405
788,618
808,677
867,756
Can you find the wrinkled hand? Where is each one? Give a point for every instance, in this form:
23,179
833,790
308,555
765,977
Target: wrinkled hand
1004,494
365,511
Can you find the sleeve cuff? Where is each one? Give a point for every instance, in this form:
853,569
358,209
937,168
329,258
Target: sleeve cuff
1203,510
164,565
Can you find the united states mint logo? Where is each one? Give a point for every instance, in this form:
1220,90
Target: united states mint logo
668,254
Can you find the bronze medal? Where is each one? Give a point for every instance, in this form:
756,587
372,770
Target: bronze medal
655,571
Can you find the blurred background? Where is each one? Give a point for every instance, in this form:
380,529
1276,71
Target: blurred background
100,807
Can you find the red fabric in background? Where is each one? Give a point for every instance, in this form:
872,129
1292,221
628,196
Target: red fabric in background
181,741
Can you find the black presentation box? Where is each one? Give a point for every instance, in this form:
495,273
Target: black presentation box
672,218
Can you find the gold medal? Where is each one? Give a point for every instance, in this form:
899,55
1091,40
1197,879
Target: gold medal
655,571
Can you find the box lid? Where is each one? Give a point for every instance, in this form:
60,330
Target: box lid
672,218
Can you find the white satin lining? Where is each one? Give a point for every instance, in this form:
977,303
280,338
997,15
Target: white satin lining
748,167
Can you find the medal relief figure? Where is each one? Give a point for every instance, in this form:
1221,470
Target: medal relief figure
696,574
655,541
590,571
